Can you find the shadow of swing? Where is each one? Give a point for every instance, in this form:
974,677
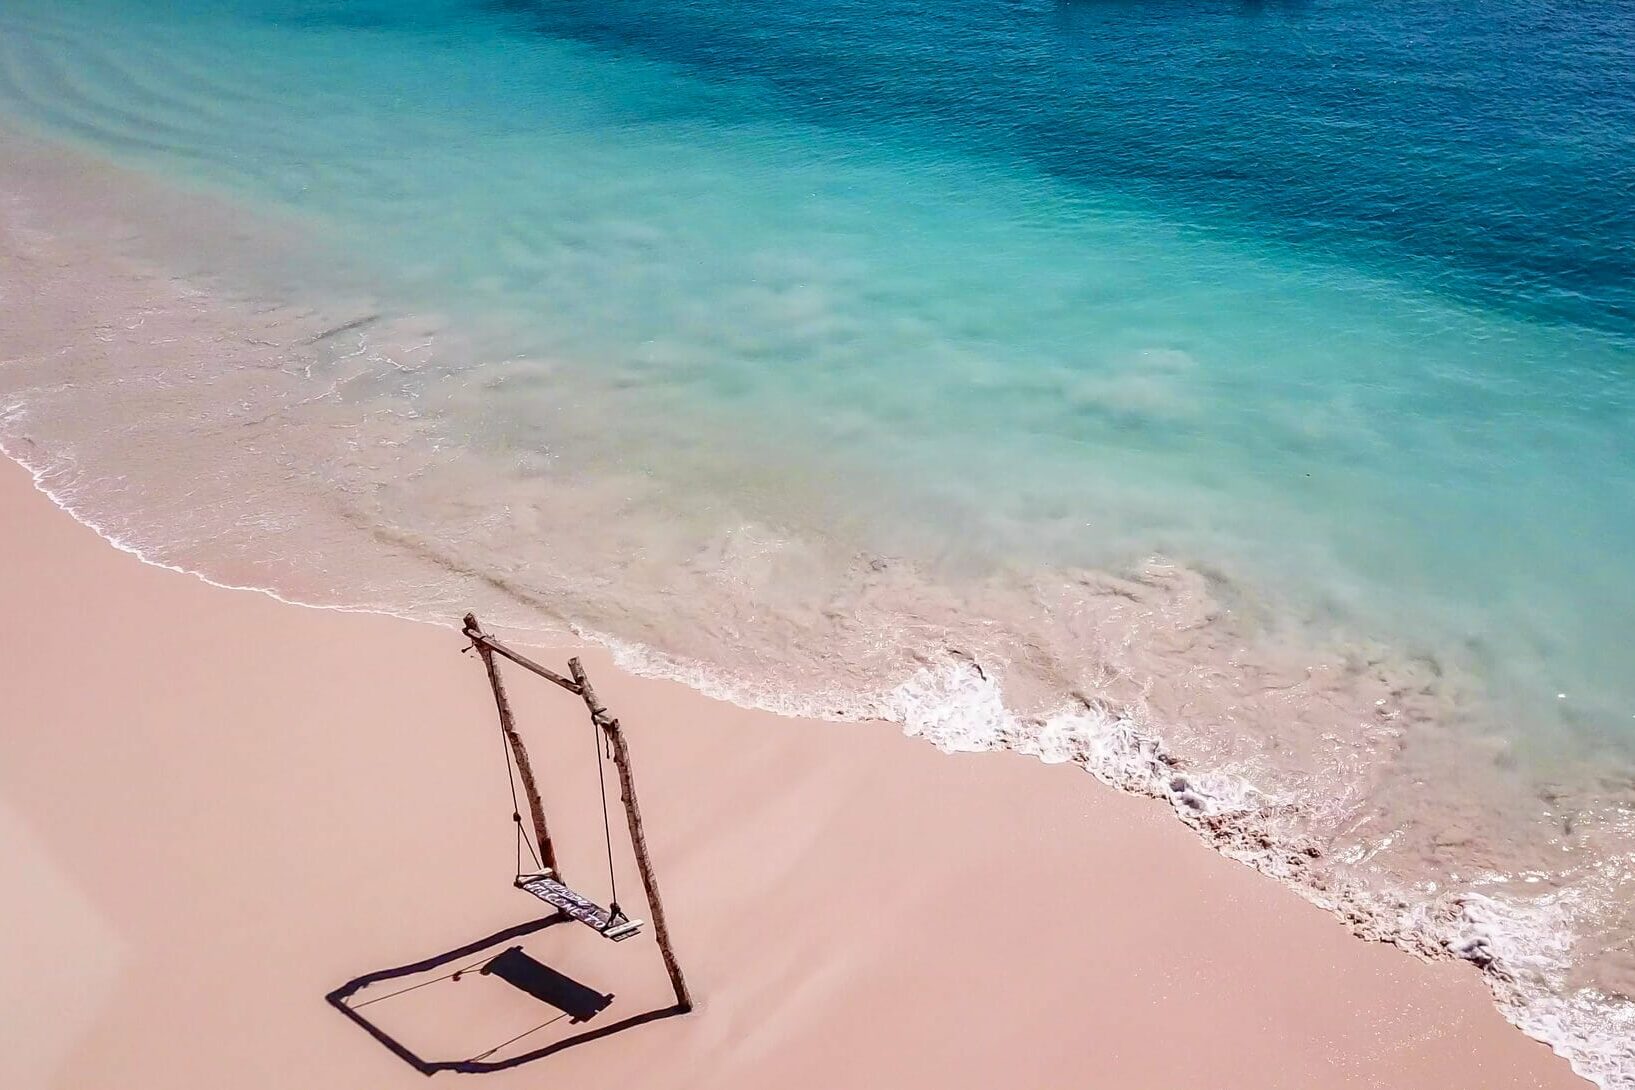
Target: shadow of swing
577,1002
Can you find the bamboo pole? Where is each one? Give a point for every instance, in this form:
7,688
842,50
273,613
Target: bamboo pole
525,769
638,839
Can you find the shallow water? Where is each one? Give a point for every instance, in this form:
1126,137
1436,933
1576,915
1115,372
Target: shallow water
816,351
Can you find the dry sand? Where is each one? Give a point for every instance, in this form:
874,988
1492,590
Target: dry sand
215,808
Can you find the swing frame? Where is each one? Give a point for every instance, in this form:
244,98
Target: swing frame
615,926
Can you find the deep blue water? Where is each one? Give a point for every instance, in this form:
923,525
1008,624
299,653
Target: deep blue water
1334,296
1335,300
1487,150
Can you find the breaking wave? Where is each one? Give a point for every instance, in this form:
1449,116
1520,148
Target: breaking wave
340,454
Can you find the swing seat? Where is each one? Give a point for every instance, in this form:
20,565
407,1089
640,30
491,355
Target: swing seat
587,912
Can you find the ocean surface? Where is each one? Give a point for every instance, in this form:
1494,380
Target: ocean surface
1236,398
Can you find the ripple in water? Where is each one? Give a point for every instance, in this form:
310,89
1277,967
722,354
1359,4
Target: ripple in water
1009,418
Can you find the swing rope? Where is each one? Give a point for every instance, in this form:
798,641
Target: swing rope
603,745
598,741
516,808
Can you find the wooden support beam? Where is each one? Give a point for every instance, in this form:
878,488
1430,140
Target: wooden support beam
638,839
519,753
483,640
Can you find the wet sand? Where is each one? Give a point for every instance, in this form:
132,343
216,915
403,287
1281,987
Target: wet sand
216,808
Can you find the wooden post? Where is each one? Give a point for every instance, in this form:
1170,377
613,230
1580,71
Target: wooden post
525,770
638,839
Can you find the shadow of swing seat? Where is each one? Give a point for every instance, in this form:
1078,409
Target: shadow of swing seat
483,1063
578,1001
574,1000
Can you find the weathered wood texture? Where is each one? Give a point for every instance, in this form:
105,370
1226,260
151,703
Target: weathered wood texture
483,640
519,753
638,838
586,911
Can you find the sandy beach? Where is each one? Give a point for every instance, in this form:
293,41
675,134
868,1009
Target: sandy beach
216,808
1162,473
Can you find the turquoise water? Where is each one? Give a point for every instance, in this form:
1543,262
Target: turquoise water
1333,303
1308,360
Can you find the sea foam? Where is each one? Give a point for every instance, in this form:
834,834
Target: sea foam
844,421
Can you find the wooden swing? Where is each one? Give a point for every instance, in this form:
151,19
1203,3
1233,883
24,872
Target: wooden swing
610,923
544,881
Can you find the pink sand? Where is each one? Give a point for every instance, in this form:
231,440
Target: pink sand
215,808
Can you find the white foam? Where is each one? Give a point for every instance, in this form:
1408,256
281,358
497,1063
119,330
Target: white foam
1522,948
1165,614
1525,950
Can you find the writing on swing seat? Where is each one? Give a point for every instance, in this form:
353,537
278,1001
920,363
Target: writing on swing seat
611,923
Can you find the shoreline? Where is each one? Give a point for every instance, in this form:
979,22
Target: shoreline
1137,767
828,883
